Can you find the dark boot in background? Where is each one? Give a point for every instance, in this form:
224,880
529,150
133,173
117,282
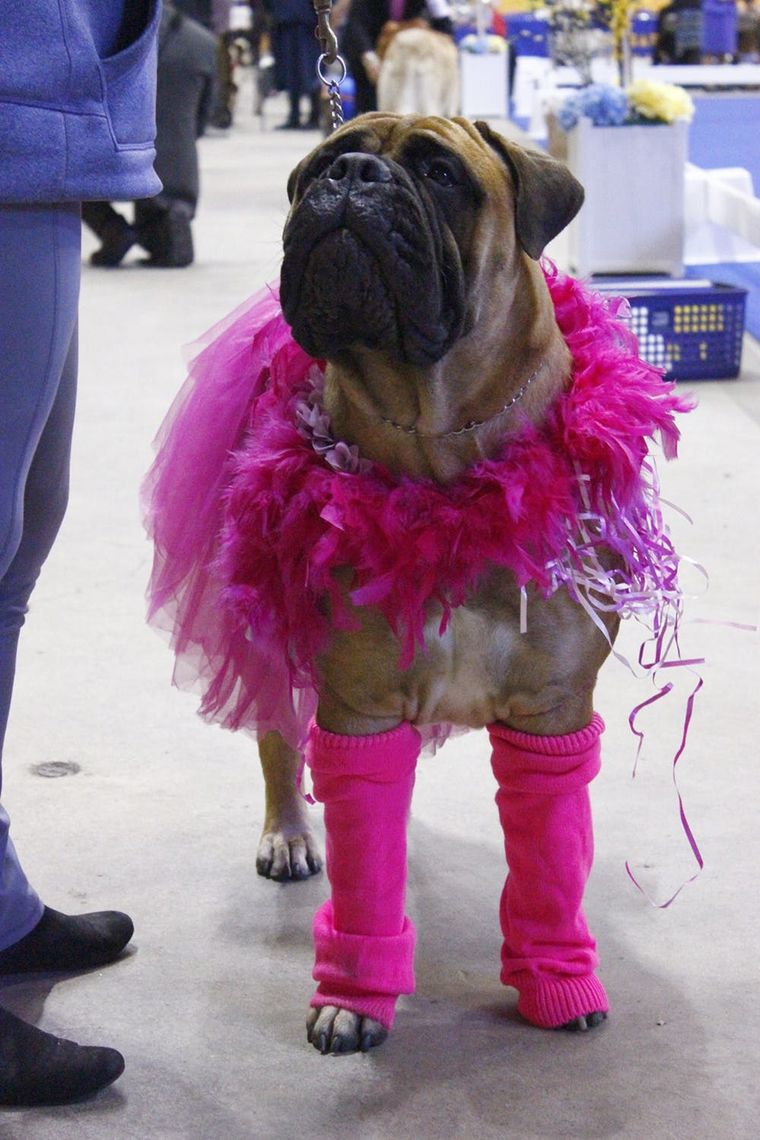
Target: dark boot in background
164,231
114,231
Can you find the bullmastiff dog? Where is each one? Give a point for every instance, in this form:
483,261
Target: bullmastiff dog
411,267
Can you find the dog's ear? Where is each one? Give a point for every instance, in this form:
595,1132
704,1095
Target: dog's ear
548,196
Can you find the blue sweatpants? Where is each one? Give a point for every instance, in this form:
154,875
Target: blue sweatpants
40,262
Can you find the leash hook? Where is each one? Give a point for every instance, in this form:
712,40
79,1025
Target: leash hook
329,43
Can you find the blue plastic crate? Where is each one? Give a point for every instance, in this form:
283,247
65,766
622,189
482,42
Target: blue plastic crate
692,329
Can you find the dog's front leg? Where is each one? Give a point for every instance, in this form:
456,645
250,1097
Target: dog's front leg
364,942
548,954
287,848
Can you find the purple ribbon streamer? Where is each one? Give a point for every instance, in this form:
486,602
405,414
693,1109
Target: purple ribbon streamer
663,691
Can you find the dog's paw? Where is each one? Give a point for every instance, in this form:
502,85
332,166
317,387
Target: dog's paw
282,855
584,1023
333,1030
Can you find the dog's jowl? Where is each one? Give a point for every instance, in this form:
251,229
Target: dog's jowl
415,496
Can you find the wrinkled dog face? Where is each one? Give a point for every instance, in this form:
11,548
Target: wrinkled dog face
383,231
372,246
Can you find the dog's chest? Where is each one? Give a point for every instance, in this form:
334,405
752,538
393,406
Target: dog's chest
481,668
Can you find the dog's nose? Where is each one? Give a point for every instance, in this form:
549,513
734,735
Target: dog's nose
358,167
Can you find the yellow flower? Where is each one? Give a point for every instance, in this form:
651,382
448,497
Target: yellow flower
663,102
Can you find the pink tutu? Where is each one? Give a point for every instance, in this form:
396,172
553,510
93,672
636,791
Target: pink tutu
252,505
242,683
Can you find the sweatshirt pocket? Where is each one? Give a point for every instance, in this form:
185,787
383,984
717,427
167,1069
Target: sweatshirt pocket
129,86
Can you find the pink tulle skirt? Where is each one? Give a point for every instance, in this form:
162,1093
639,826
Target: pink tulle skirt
243,685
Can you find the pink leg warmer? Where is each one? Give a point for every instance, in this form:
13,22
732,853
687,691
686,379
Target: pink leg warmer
364,943
548,954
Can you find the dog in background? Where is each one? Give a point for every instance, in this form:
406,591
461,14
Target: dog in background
419,73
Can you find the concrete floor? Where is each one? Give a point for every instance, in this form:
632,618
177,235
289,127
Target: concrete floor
162,814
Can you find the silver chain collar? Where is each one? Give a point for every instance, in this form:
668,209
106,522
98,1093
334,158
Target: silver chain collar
472,425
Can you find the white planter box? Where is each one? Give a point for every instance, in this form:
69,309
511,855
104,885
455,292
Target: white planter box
484,80
633,218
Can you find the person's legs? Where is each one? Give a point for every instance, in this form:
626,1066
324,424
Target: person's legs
33,938
285,48
307,81
39,290
40,255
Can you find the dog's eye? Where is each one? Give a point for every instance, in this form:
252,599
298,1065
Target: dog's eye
441,171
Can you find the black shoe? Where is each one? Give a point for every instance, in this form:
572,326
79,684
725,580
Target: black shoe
68,942
37,1068
222,119
115,246
168,238
289,125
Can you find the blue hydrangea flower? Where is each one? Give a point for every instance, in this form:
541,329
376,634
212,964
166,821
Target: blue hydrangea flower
569,113
605,106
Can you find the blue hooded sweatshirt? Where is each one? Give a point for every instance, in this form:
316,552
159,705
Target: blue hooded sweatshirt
77,99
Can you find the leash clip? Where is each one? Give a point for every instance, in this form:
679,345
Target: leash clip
329,43
325,34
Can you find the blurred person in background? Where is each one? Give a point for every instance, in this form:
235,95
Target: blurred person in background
679,33
296,50
77,93
187,72
748,30
215,15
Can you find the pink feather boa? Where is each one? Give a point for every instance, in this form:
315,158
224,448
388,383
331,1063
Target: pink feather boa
252,508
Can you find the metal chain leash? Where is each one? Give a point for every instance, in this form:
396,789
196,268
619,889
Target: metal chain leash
329,43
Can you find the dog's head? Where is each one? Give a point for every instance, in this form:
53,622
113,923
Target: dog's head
399,226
